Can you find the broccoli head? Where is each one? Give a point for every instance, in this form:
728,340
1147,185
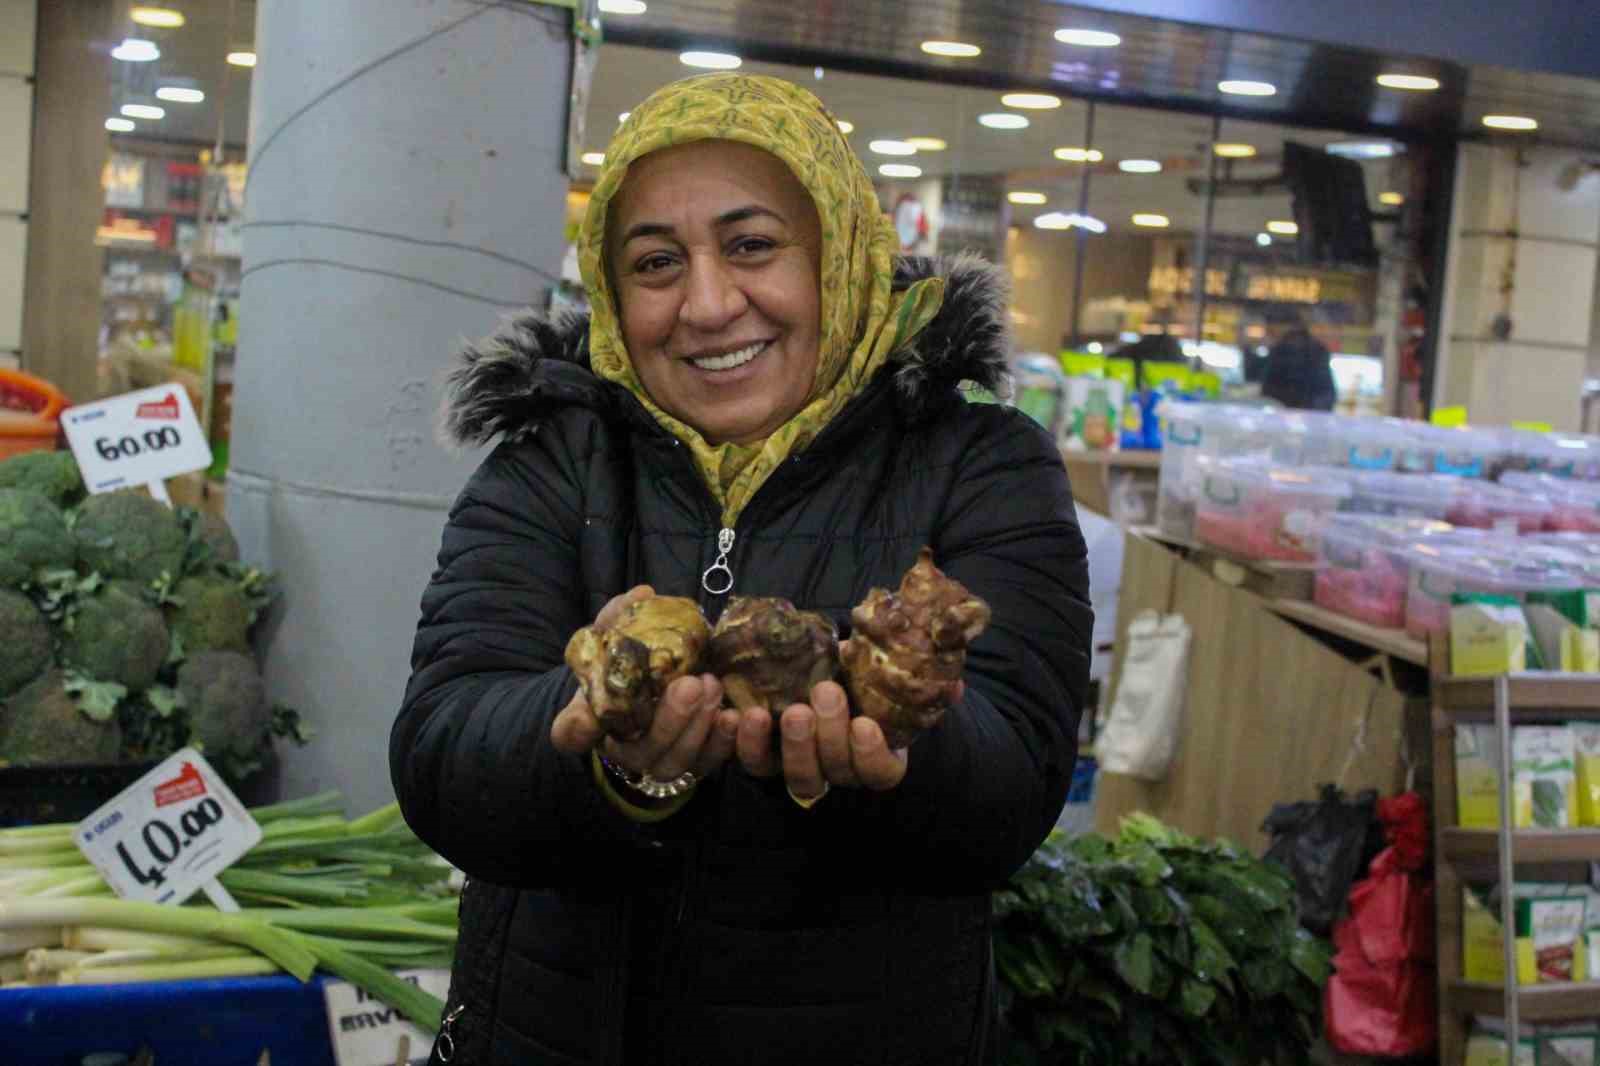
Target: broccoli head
226,700
125,534
212,614
214,533
33,537
42,726
25,642
118,635
54,474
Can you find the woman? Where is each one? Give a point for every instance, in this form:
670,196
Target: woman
763,403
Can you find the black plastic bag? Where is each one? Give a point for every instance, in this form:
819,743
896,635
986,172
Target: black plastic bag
1324,844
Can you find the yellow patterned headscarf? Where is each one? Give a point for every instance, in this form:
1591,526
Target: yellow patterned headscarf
862,319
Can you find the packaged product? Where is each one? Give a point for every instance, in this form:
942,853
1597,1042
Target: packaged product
1446,566
1568,1045
1586,753
1192,432
1563,644
1039,385
1093,410
1261,511
1458,452
1486,1045
1550,920
1481,505
1482,951
1364,566
1574,505
1383,492
1488,636
1555,925
1477,761
1544,784
1372,443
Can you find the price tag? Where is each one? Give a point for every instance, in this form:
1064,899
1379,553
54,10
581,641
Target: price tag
367,1032
169,834
138,438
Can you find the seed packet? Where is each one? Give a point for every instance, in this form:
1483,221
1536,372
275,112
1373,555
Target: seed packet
1543,776
1568,1045
1477,777
1486,1046
1586,749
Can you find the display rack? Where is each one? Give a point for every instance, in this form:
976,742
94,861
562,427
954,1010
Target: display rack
1496,853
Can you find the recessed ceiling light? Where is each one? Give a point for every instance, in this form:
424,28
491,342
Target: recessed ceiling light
148,111
1282,228
622,7
1247,88
180,94
623,116
1152,221
1393,199
1361,149
710,60
593,159
242,59
1419,83
136,50
1022,196
927,144
1510,122
120,125
1079,155
161,17
892,148
846,126
1139,166
900,170
1233,150
1031,101
1088,38
1264,239
1003,120
954,49
1073,220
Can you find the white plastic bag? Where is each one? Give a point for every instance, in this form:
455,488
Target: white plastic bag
1141,732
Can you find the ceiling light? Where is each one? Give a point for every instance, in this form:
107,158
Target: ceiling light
242,59
1023,197
162,17
1031,101
1361,149
1283,228
593,159
900,170
1264,239
1420,83
846,126
955,49
149,111
1003,120
1139,166
1247,88
1510,122
120,125
1060,220
180,94
1152,221
927,144
1079,155
1229,150
1088,38
892,148
623,116
136,50
622,7
710,60
1393,199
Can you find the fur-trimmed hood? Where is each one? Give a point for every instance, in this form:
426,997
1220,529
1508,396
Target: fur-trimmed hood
535,361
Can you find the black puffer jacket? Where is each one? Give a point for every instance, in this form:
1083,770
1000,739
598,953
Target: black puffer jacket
742,929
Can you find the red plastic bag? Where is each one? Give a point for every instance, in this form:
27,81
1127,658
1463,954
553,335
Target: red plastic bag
1380,999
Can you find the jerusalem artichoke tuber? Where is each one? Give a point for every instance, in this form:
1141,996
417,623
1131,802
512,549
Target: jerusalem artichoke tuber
769,654
625,668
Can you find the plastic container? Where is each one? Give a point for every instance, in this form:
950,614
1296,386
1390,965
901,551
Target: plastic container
30,410
1380,492
1482,505
1303,438
1561,454
1440,570
1370,443
1575,505
1192,431
1260,511
1366,566
1468,453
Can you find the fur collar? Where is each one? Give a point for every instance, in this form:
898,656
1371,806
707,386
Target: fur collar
504,382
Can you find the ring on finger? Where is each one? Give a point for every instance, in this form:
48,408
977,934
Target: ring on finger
808,801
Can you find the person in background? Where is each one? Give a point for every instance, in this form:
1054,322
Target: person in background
764,401
1299,369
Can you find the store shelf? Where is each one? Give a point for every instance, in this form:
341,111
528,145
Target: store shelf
1389,641
1576,695
1133,459
1553,1002
1527,845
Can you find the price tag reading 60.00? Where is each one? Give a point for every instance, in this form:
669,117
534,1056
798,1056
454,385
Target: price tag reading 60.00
136,439
168,834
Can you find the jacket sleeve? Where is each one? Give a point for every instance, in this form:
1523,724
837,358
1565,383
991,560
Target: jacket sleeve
985,786
470,754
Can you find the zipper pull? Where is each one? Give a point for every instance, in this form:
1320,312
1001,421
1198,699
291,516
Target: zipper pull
447,1040
718,577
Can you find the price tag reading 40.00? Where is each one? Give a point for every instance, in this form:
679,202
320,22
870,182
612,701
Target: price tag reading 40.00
168,834
136,438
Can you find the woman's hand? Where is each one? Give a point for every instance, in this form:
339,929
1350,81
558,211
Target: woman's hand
690,730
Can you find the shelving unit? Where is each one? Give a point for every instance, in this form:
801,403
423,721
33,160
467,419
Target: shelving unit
1496,853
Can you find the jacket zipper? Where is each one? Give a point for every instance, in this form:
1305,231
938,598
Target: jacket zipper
447,1039
718,577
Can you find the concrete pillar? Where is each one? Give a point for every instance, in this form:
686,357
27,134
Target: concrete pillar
405,191
1519,221
16,128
